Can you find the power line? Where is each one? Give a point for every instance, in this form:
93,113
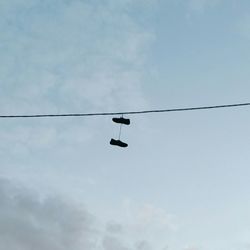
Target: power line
127,112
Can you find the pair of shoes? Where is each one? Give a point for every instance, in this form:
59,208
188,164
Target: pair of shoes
121,120
118,143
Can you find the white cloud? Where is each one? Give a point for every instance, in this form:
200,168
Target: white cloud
244,26
68,56
201,5
147,217
72,54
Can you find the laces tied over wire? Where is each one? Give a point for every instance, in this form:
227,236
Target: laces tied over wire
122,121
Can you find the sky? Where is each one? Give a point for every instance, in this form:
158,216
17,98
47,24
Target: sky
183,182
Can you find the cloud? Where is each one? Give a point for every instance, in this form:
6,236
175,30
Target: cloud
69,56
201,5
112,243
191,248
141,227
147,218
114,228
143,245
29,222
243,26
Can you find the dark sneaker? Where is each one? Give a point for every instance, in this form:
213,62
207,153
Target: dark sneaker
121,120
118,143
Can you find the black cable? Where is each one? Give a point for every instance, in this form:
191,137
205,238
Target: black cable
127,112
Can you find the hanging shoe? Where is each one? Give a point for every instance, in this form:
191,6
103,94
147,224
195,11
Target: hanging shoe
121,120
118,143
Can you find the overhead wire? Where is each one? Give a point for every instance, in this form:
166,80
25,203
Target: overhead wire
127,112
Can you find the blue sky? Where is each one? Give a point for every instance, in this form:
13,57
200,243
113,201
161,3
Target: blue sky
183,181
